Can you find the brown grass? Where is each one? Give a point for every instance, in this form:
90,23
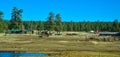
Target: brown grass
61,46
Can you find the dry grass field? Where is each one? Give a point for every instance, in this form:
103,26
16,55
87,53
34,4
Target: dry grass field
62,46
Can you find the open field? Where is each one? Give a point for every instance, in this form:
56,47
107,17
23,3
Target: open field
62,46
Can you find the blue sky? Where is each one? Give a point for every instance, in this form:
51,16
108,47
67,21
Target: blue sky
75,10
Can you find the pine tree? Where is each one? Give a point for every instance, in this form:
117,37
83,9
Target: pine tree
64,26
58,23
70,26
116,25
40,25
75,27
16,21
1,23
50,23
1,15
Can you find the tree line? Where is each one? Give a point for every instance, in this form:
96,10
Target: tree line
54,23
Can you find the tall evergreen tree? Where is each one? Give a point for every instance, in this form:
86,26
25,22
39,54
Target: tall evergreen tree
16,19
40,25
1,15
70,26
1,23
75,27
58,23
64,26
50,23
31,25
116,25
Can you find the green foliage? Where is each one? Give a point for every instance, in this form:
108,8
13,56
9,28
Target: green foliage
88,26
3,23
50,23
54,22
70,26
116,25
16,21
59,26
1,15
40,25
